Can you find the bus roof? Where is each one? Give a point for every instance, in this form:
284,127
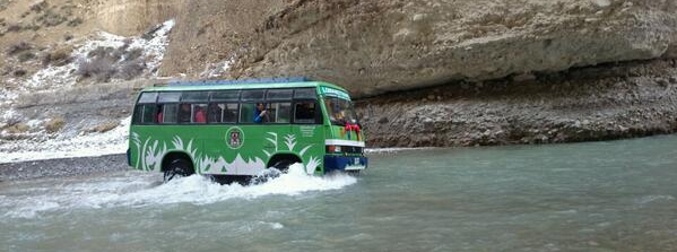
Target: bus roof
243,84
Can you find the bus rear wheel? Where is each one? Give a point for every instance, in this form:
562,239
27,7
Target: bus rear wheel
177,168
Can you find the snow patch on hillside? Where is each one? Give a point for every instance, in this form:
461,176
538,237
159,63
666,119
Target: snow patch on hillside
92,144
36,143
152,45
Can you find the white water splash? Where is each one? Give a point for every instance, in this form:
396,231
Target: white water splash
142,190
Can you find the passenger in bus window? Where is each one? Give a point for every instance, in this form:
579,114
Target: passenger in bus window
159,114
214,113
260,113
200,116
184,113
230,113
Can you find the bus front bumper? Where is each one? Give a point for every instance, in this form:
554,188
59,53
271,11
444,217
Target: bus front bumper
344,163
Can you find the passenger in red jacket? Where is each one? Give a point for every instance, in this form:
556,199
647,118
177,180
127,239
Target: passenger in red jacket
200,116
159,114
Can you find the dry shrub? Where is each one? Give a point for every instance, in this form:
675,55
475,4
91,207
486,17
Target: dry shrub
104,63
18,128
18,47
131,69
55,124
39,6
19,72
51,18
100,68
100,52
4,4
105,127
26,56
14,28
75,22
58,57
133,54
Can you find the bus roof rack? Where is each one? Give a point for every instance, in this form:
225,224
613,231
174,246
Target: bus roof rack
233,82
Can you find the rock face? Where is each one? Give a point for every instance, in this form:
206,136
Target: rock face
373,47
594,103
209,32
132,17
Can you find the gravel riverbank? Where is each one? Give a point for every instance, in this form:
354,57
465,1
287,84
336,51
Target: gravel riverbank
62,167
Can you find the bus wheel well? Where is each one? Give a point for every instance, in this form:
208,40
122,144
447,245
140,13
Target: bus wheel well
283,161
172,156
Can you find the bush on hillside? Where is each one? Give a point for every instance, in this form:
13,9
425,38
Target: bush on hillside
26,56
55,124
105,127
17,128
4,4
14,28
51,18
19,72
59,57
39,6
133,54
104,63
75,22
131,69
18,47
101,68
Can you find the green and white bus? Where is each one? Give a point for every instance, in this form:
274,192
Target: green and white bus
220,128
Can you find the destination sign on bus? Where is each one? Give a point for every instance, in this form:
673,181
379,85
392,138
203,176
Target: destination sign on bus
334,92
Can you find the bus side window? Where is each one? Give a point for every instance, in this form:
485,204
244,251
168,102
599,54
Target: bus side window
279,112
158,114
230,113
185,113
304,112
169,113
247,112
145,114
215,113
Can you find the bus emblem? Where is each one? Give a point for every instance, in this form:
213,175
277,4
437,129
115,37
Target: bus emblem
234,138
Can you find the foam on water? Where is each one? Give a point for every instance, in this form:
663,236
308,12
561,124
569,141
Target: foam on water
140,190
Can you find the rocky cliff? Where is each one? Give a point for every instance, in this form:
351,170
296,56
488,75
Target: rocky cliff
426,72
131,17
373,47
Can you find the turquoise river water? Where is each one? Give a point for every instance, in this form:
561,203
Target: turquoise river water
601,196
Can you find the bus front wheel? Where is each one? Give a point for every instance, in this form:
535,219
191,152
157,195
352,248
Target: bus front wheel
283,165
177,168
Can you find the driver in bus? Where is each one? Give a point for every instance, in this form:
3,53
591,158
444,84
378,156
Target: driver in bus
260,113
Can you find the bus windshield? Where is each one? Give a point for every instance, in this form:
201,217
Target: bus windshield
340,111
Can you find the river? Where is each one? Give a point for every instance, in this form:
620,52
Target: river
600,196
